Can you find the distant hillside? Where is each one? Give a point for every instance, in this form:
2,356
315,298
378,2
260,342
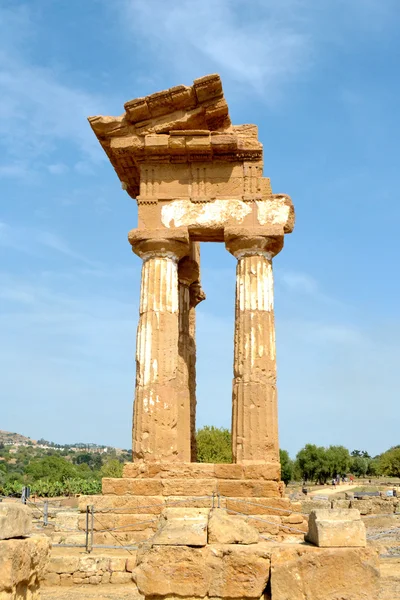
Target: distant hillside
16,439
6,437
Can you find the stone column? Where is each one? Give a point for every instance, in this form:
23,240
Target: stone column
254,398
190,294
157,427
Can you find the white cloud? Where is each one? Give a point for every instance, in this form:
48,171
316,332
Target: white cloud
256,44
58,169
67,353
38,108
16,170
39,241
301,282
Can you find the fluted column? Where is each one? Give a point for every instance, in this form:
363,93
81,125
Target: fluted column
190,294
156,422
254,397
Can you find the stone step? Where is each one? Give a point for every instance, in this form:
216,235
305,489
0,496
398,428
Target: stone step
153,505
268,471
192,487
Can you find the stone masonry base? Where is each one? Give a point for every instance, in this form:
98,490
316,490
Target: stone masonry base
130,506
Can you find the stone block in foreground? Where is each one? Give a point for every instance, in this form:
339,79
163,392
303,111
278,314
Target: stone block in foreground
230,529
219,571
341,528
305,572
182,527
15,520
22,565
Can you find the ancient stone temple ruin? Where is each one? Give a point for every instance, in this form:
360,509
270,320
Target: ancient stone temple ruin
198,178
211,530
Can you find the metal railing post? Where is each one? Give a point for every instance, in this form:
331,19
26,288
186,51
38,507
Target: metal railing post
91,526
45,513
87,529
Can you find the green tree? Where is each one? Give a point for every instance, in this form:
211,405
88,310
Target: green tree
312,463
360,453
50,468
389,462
214,445
338,459
286,466
112,468
359,466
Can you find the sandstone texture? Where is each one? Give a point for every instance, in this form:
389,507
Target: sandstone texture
15,520
309,573
336,528
22,566
69,569
269,471
182,527
196,177
230,529
223,571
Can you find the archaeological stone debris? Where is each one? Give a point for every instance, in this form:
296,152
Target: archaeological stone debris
23,558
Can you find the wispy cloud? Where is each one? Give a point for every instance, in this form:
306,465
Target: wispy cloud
34,240
259,44
69,352
38,109
301,282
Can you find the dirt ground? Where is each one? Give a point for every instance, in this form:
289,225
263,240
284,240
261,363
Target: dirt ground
100,592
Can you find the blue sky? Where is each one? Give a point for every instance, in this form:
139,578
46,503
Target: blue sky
320,78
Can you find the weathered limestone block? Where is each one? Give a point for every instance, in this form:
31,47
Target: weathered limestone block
268,471
294,519
169,470
51,579
22,566
266,524
336,528
123,504
63,564
135,487
94,565
248,488
229,471
259,506
119,577
173,570
239,571
76,539
309,573
66,520
117,563
309,505
230,529
123,522
221,571
340,504
189,487
182,527
15,520
364,506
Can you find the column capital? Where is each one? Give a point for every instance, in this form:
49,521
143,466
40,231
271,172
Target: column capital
253,241
188,270
172,243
